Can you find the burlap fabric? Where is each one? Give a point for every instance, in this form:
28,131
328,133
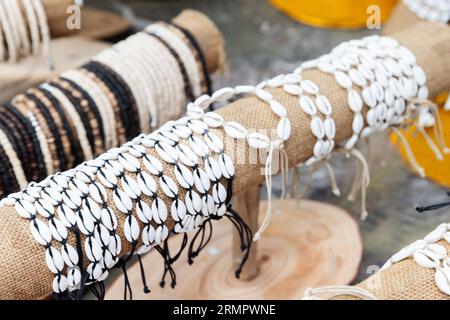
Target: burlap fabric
23,273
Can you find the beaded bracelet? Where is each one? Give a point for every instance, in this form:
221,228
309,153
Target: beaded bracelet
86,109
51,130
6,26
206,81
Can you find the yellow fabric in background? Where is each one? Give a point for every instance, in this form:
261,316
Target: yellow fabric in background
342,14
438,171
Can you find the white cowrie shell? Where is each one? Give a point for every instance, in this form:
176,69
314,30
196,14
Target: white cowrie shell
293,89
158,234
366,72
309,87
131,228
67,216
219,193
392,65
354,101
357,78
69,255
122,201
244,89
201,180
235,130
168,186
186,155
284,129
318,149
208,205
146,183
54,260
166,152
194,111
85,221
258,140
25,209
57,229
197,126
389,97
330,128
129,162
371,117
341,65
184,176
108,219
92,249
407,55
438,249
401,255
308,64
307,105
177,210
351,142
317,127
73,276
423,260
193,202
442,279
101,235
97,192
181,131
358,122
130,187
198,146
436,235
381,110
203,101
343,79
278,109
168,137
213,119
152,164
423,93
40,231
59,284
159,211
226,165
214,143
368,97
263,95
106,178
144,212
72,199
212,169
326,67
148,235
324,105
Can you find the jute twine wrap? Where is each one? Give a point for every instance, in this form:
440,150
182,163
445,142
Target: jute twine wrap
23,273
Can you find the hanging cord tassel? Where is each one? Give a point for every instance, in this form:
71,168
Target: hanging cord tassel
431,143
144,280
362,181
439,129
192,253
127,285
284,165
245,234
334,186
412,160
434,206
169,261
336,291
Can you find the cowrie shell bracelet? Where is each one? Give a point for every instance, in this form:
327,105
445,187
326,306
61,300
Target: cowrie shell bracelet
79,200
432,10
427,253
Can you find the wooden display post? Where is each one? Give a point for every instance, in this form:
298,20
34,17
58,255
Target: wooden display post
307,244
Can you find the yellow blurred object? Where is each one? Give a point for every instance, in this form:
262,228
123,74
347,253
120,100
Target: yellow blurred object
438,171
343,14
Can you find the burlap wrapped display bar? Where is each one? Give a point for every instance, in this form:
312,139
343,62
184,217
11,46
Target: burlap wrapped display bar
23,271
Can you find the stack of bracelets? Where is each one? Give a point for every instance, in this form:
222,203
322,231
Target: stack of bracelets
24,30
131,88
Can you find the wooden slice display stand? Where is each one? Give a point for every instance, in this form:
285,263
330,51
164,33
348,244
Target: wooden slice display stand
307,244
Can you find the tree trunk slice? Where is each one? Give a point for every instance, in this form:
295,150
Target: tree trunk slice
30,71
309,245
